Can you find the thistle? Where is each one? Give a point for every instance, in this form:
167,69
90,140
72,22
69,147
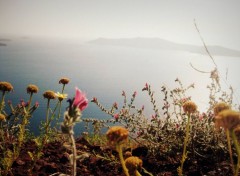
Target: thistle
117,136
230,120
4,87
133,164
189,107
219,107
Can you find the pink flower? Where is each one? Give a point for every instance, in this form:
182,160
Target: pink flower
134,94
146,87
80,100
94,100
116,116
115,105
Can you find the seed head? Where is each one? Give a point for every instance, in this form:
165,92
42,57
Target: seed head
2,117
49,94
117,134
133,163
189,107
127,154
220,107
6,87
32,89
228,119
64,81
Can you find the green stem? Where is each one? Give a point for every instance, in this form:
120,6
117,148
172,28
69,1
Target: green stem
2,101
74,152
47,114
230,149
120,154
137,173
235,141
30,101
63,88
184,155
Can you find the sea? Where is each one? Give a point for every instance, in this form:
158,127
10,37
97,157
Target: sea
104,71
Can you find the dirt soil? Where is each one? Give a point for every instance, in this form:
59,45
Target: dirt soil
103,161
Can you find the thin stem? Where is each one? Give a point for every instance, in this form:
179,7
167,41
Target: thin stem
235,141
47,114
120,154
184,155
74,152
137,173
30,101
230,149
2,101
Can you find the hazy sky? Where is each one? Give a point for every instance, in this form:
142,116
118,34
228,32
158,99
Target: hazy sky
218,20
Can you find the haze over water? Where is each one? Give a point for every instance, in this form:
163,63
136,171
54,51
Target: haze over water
49,41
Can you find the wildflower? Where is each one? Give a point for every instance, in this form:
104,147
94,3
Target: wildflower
115,105
220,107
189,107
49,94
127,154
116,116
133,163
2,117
123,93
146,87
32,89
228,119
94,100
6,87
117,134
134,94
80,100
61,96
36,104
64,81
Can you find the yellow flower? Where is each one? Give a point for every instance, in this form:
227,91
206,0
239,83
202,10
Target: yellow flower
117,134
2,117
133,163
32,89
64,81
220,107
189,107
61,96
228,119
49,95
6,86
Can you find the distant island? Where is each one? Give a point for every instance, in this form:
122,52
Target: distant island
157,43
3,44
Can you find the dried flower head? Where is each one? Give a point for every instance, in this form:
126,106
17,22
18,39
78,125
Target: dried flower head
117,134
2,117
64,81
49,94
6,87
127,154
32,89
228,119
189,107
220,107
133,163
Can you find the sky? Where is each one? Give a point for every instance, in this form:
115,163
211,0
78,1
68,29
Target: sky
218,20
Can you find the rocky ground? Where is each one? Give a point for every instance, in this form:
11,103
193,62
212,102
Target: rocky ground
95,160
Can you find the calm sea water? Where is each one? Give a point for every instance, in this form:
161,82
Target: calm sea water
104,71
